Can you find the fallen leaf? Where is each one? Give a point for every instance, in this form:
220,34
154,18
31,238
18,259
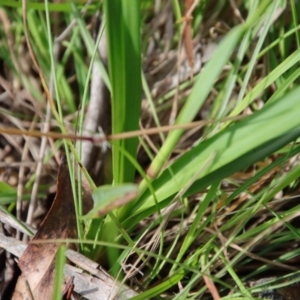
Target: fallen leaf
109,197
38,260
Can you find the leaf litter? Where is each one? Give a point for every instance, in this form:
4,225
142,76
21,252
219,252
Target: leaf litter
37,263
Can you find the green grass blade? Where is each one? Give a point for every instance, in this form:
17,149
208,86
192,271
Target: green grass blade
59,272
124,60
201,89
198,95
237,147
269,79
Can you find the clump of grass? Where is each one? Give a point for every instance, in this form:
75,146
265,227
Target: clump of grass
216,207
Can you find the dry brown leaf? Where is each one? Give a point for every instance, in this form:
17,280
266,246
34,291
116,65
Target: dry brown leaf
90,280
38,261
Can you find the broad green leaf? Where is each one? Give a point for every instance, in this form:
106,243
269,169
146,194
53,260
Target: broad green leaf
123,34
202,88
237,147
108,197
124,62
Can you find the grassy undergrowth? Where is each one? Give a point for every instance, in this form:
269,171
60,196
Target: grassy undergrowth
217,207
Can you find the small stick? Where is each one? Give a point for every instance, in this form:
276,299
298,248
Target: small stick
100,138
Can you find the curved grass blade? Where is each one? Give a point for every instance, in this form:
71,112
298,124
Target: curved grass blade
237,147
